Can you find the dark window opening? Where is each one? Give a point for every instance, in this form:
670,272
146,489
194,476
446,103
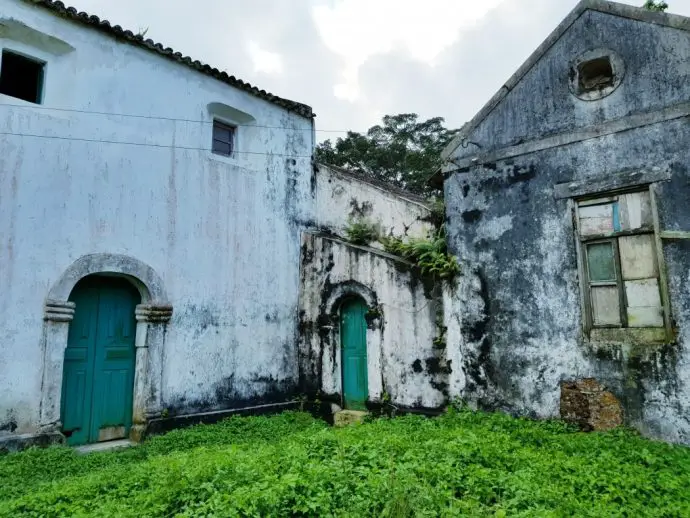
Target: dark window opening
595,74
223,138
21,77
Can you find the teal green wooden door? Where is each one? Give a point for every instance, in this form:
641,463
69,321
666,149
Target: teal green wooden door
98,374
353,333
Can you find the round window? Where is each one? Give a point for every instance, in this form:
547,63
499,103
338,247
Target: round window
596,74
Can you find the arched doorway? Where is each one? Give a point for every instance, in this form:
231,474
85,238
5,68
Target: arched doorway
353,336
98,371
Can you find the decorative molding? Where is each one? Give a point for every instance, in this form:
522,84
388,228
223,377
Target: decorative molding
154,313
674,234
145,278
59,311
630,122
613,182
17,30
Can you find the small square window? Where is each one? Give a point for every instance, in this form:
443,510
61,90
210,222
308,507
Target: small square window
223,138
21,77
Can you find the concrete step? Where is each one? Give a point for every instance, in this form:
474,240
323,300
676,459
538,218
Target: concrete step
348,417
104,446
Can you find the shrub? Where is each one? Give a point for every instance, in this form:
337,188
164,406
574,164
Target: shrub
361,232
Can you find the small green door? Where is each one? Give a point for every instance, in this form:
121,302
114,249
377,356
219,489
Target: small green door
353,333
98,374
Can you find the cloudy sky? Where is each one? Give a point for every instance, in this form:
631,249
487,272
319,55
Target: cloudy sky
356,60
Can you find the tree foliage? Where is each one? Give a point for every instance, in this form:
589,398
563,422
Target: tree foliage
403,151
658,7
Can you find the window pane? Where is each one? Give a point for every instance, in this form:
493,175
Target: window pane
223,138
222,135
637,257
644,303
222,131
222,148
636,211
605,306
601,263
596,219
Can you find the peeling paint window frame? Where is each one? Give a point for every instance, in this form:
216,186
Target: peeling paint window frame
636,334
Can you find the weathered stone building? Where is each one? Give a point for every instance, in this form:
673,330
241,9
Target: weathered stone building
567,203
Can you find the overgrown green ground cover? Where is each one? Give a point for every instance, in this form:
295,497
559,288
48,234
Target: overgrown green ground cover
461,464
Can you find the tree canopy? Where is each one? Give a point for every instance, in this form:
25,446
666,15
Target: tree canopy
658,7
403,151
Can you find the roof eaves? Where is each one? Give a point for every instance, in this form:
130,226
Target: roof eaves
60,9
604,6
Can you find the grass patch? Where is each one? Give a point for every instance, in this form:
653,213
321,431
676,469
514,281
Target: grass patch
461,464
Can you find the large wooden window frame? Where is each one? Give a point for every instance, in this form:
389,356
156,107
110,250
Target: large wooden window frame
613,237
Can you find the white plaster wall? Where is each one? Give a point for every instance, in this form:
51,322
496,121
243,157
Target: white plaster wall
402,336
340,197
223,233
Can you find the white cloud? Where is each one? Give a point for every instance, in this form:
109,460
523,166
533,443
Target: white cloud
432,57
359,29
264,61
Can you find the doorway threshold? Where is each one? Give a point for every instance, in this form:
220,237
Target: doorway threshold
104,446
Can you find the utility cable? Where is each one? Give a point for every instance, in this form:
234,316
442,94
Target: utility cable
152,117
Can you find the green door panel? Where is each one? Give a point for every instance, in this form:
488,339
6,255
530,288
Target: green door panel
77,379
112,406
353,333
99,361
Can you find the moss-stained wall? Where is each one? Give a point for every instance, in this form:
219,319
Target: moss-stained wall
520,331
407,367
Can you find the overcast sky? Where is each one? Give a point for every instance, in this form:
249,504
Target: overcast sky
356,60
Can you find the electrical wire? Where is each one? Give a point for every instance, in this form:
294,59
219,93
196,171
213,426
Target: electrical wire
143,144
152,117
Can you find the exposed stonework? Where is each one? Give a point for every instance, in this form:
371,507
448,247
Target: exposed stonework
587,404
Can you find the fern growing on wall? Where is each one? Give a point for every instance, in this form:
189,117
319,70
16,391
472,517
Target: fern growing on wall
429,256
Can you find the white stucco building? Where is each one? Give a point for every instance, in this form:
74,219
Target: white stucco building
107,167
152,213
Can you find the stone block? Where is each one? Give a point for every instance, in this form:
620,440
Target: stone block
348,417
587,404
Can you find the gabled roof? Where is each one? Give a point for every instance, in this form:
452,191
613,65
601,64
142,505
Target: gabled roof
60,9
604,6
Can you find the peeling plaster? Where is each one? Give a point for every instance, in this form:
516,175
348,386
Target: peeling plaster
221,233
520,328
